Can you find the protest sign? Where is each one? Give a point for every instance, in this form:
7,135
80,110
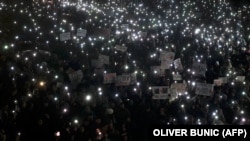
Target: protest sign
104,59
160,92
65,36
121,48
218,82
204,89
199,68
81,32
178,65
122,80
125,79
240,78
109,78
166,59
177,77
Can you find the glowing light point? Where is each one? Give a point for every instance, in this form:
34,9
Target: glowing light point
76,121
197,31
42,83
88,97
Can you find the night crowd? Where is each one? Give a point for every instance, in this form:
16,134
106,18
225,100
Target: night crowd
40,102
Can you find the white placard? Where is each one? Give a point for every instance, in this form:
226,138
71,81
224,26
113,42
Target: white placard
121,48
81,32
204,89
218,82
240,78
178,65
65,36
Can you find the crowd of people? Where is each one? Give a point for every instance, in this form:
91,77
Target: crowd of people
39,99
